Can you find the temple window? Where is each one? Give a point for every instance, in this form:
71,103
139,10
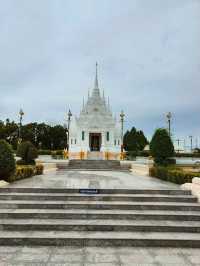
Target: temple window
83,135
107,136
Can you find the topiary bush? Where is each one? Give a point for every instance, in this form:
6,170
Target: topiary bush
27,151
7,160
161,147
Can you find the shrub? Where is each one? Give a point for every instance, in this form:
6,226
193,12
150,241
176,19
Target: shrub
7,160
144,153
170,161
27,152
25,171
187,155
172,174
57,152
44,152
131,155
22,172
20,162
161,147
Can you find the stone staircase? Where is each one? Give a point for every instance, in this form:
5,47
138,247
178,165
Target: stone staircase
92,165
112,217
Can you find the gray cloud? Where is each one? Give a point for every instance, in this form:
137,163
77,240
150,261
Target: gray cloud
148,54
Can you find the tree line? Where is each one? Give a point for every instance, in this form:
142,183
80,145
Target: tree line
42,135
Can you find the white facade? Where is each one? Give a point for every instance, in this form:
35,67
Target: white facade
95,130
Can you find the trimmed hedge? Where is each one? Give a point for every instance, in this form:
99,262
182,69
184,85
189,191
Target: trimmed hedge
44,152
187,155
7,160
173,175
57,152
50,152
25,171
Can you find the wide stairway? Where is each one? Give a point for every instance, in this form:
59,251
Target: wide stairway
92,165
39,216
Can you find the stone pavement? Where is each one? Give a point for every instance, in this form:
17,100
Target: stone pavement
90,256
94,179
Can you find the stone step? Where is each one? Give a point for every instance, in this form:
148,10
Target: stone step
94,169
91,164
103,205
99,225
97,162
61,238
100,191
99,197
139,215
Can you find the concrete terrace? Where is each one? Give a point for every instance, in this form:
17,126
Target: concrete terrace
94,179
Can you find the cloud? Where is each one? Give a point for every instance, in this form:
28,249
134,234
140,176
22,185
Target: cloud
148,54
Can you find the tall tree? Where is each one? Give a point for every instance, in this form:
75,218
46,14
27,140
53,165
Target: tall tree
161,146
135,140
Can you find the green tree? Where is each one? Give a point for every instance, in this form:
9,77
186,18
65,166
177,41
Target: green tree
134,140
7,160
28,153
161,147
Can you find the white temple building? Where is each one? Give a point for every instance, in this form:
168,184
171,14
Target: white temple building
95,133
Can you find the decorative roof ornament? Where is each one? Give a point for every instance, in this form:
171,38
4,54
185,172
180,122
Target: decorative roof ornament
83,103
108,103
96,77
96,92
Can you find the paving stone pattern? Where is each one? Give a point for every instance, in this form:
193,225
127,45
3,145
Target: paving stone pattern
85,256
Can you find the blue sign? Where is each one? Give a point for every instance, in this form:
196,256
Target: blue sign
89,191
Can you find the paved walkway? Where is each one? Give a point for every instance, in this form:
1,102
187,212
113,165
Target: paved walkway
94,179
90,256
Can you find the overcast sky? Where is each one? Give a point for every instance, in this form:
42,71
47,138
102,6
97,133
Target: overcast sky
148,54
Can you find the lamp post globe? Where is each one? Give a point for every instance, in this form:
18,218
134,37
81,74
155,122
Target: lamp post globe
21,114
169,117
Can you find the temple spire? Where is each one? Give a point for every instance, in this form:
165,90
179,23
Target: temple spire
96,85
96,92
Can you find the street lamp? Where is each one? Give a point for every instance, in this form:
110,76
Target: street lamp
122,115
69,115
169,117
21,113
191,143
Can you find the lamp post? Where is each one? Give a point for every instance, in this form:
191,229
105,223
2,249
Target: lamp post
178,141
191,143
69,115
21,113
169,117
122,115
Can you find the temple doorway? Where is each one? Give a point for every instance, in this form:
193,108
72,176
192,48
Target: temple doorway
95,141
